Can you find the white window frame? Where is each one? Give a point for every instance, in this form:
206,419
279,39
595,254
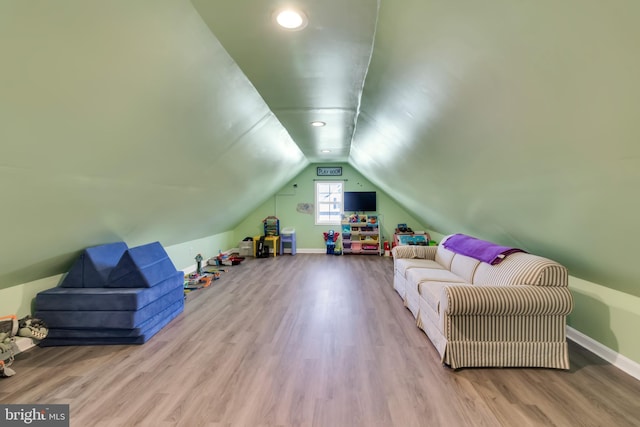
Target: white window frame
320,203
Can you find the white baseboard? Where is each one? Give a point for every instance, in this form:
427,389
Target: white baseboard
616,359
311,251
190,269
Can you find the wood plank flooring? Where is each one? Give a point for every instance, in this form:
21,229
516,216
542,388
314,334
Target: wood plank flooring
309,340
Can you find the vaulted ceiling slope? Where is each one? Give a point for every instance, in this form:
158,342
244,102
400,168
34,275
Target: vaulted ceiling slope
172,119
125,121
513,121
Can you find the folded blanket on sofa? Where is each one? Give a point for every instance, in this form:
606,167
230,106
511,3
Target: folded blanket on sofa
479,249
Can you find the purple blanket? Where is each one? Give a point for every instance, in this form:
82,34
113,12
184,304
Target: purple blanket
479,249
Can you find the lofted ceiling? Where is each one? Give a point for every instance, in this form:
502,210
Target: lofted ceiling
313,74
173,119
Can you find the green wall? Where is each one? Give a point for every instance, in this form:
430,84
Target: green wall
183,254
607,316
285,202
18,299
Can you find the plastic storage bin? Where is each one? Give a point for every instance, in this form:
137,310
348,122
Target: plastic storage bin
246,248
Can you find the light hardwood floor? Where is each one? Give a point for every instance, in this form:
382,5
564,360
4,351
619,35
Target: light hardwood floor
309,340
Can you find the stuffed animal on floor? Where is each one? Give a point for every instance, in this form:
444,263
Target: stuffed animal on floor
32,328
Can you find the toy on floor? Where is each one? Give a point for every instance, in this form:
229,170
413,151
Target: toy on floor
6,355
225,259
330,239
32,328
199,264
195,281
10,327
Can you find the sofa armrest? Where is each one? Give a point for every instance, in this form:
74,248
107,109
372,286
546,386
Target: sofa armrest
415,252
505,300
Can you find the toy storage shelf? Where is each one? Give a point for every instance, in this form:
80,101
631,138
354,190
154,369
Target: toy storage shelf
361,235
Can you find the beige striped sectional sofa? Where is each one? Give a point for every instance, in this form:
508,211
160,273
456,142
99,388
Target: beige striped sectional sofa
482,315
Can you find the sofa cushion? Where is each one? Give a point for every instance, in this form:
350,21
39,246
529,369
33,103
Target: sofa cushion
403,264
464,267
142,267
102,299
444,256
431,292
522,269
93,266
418,275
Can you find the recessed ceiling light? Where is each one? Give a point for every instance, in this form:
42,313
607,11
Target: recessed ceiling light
325,151
318,124
291,19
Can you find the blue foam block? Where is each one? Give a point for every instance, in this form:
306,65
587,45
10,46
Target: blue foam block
141,267
64,337
108,319
117,333
93,266
101,299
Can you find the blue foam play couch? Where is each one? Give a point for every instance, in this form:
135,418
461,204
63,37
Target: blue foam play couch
113,294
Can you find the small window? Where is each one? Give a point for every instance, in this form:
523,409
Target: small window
329,202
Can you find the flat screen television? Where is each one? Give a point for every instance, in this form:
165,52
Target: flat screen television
360,201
